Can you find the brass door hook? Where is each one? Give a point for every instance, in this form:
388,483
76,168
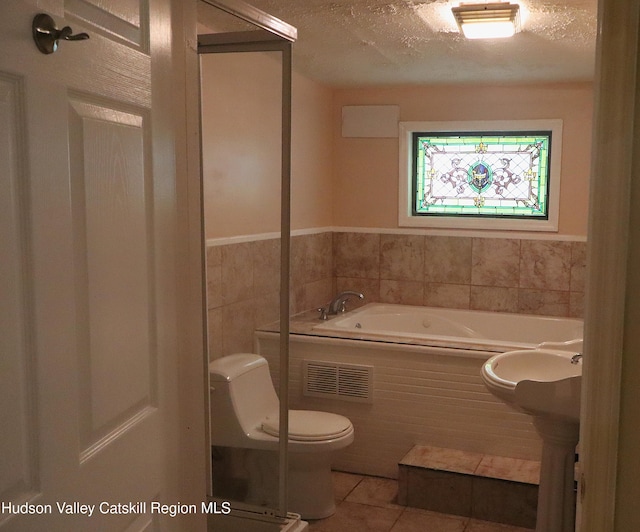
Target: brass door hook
46,35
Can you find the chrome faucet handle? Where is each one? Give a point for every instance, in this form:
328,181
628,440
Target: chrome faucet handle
575,359
323,313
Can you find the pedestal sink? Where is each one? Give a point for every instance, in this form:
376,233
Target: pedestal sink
545,383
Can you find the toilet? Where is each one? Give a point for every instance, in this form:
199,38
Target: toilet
245,414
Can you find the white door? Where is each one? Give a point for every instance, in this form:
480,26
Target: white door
88,298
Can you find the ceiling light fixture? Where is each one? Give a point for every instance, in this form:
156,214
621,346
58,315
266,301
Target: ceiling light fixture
487,21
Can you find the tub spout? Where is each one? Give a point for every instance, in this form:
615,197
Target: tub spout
338,303
575,359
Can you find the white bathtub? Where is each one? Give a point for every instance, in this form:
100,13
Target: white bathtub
491,331
427,387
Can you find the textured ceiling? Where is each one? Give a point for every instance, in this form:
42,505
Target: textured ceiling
382,42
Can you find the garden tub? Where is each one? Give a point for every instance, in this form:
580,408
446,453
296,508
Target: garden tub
424,385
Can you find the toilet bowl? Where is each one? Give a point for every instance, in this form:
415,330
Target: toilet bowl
245,414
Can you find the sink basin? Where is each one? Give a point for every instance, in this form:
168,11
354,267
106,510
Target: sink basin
542,382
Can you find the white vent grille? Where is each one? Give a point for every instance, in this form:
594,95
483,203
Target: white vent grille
349,382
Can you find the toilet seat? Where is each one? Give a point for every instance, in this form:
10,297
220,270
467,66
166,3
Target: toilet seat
309,425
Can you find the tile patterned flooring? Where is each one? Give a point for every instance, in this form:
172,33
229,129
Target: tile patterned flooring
368,504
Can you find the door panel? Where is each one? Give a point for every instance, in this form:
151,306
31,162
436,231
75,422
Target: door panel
121,19
17,409
89,220
112,216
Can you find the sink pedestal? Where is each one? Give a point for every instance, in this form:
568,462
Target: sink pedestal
556,495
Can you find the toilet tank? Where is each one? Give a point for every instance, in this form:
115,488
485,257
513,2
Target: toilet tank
242,395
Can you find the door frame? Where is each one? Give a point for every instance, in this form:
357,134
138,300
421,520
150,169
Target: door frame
610,341
609,271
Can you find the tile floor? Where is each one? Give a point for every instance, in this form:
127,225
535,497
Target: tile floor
368,504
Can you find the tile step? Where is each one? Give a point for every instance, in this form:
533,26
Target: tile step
492,488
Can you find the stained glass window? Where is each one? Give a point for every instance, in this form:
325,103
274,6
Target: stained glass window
481,174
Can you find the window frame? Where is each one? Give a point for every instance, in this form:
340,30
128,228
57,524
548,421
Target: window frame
406,218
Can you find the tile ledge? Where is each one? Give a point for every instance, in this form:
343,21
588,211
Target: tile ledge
487,466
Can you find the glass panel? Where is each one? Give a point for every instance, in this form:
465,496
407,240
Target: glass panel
245,67
494,174
241,94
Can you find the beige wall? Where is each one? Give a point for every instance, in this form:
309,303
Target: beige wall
366,169
241,132
351,182
240,142
312,155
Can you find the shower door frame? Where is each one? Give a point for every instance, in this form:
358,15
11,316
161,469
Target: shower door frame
273,35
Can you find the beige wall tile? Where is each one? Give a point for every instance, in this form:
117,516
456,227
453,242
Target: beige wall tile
214,333
447,295
447,259
578,266
382,267
543,302
495,262
495,299
356,255
401,257
318,293
318,262
298,260
401,292
238,324
237,272
266,266
267,310
545,264
576,304
214,276
297,298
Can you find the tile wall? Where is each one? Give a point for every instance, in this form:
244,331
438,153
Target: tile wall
543,277
243,286
504,275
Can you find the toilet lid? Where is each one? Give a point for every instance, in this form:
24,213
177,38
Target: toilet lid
309,425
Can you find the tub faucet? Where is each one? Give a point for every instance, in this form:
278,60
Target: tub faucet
576,358
338,304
